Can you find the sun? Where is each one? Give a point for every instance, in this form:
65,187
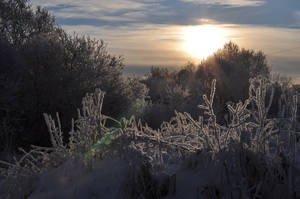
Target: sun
202,41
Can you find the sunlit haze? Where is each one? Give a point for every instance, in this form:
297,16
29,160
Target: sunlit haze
202,41
175,32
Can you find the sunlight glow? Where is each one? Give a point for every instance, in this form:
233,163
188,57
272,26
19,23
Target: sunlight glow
202,41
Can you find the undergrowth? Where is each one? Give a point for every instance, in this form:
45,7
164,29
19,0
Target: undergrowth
254,155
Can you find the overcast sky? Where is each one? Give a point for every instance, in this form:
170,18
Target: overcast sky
149,32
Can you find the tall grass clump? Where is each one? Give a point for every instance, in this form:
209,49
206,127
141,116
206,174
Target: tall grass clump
252,155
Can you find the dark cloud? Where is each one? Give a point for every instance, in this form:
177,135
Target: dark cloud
275,13
59,7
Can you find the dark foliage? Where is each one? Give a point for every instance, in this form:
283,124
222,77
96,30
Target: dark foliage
43,69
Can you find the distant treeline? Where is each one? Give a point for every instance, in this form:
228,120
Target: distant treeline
45,70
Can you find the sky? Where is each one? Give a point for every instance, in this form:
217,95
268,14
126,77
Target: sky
165,32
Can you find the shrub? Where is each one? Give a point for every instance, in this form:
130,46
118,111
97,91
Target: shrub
255,156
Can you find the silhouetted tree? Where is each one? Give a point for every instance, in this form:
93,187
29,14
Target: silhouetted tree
183,89
232,67
53,70
20,23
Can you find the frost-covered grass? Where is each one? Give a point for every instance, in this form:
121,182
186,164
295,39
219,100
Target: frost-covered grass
251,156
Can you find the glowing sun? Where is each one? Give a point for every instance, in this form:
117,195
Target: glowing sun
202,41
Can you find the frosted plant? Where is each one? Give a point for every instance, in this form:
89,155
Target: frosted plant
86,132
264,128
254,154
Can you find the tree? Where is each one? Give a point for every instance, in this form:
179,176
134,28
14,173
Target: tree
19,22
183,89
232,67
55,70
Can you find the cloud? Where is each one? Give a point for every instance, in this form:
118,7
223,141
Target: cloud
232,3
173,12
297,16
102,10
140,44
95,5
152,44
